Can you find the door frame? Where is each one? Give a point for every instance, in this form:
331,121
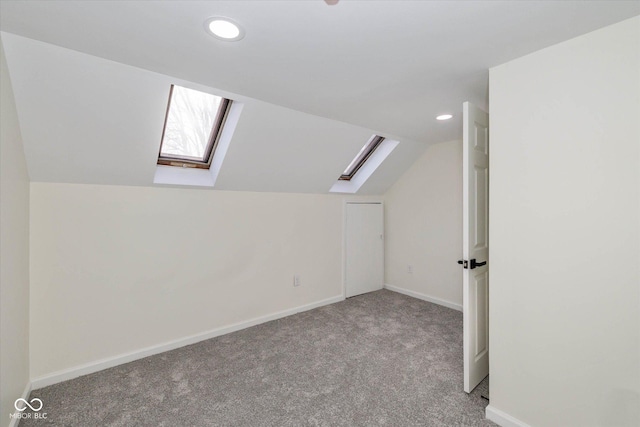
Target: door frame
360,201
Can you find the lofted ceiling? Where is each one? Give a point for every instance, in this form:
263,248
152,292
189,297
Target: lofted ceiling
91,79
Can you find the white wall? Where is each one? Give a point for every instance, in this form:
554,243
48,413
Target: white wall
14,253
117,269
423,226
565,232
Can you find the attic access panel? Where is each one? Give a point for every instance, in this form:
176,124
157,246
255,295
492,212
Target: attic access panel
192,126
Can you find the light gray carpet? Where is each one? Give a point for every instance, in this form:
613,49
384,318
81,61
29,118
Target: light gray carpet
377,359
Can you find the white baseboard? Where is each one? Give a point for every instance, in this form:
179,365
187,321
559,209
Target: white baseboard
502,418
99,365
25,395
424,297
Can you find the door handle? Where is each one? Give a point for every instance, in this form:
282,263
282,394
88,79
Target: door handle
475,264
471,264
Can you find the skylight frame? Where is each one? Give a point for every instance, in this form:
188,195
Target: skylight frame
361,158
212,143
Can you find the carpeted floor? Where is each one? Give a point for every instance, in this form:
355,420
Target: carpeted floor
378,359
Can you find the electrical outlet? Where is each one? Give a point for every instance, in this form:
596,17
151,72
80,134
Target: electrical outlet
410,269
296,280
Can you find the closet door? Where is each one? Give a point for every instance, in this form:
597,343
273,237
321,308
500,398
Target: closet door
364,247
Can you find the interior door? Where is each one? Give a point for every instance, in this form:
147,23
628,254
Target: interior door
364,248
475,245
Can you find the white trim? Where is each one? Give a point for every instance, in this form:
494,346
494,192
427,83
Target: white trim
99,365
25,395
230,124
424,297
344,249
502,418
173,175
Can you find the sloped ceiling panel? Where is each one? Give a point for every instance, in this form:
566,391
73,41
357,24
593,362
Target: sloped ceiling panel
90,120
392,65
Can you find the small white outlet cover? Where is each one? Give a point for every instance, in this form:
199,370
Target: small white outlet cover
410,269
296,280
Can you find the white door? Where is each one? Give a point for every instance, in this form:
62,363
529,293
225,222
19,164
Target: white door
364,248
475,245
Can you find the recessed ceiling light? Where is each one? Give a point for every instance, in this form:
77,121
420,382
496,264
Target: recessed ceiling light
224,28
444,117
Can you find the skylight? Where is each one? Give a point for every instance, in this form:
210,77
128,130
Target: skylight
191,128
361,158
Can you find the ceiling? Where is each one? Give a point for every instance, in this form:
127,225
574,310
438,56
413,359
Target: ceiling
89,120
317,80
